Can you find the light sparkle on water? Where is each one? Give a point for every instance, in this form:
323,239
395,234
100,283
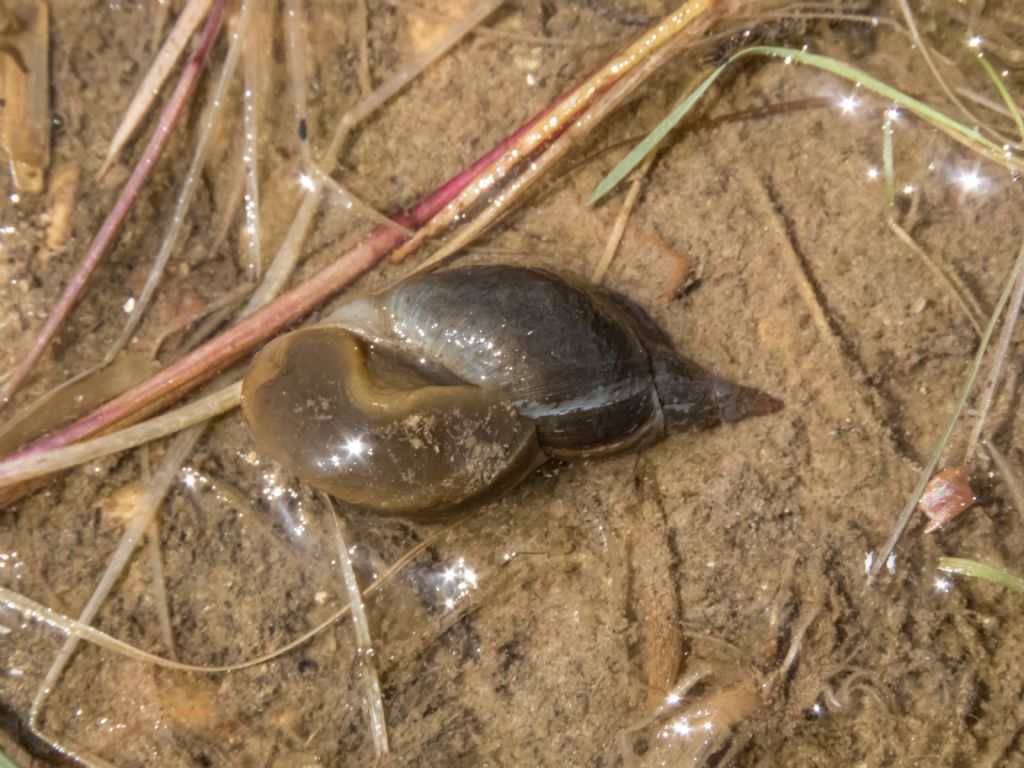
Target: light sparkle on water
970,181
458,581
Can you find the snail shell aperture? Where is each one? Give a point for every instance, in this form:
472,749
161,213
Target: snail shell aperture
451,387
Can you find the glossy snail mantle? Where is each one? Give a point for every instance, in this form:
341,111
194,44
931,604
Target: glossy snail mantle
451,387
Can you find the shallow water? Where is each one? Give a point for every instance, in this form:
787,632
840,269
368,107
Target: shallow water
550,627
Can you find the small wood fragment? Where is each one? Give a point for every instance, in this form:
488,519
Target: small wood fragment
62,193
26,127
658,605
946,496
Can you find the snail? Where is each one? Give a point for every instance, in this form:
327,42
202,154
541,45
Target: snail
451,387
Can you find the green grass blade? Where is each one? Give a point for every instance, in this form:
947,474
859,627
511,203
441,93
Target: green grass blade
1007,98
653,139
1017,273
855,75
978,570
6,762
972,137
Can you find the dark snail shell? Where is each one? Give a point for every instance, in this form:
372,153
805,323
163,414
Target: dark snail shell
453,386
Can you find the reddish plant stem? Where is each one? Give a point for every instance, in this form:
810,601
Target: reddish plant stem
203,363
112,225
572,107
207,360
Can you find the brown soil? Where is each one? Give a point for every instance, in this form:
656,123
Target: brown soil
547,627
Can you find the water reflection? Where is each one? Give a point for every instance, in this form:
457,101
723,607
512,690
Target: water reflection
456,582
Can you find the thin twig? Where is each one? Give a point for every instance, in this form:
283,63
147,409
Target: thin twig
287,255
159,21
962,295
209,121
365,660
72,628
345,199
200,365
984,101
693,19
563,117
887,160
1008,474
791,259
362,23
112,225
999,354
148,89
210,317
925,50
72,398
163,613
141,518
33,465
156,561
612,246
295,48
1016,274
252,98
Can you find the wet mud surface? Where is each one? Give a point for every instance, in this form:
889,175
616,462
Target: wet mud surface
553,626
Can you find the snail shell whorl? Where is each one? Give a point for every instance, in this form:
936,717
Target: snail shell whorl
559,351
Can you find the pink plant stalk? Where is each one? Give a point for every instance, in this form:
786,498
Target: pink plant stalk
112,224
215,355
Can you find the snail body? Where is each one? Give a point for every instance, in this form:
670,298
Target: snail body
451,387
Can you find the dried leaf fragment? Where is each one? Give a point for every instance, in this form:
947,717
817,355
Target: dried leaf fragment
946,496
26,128
63,191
